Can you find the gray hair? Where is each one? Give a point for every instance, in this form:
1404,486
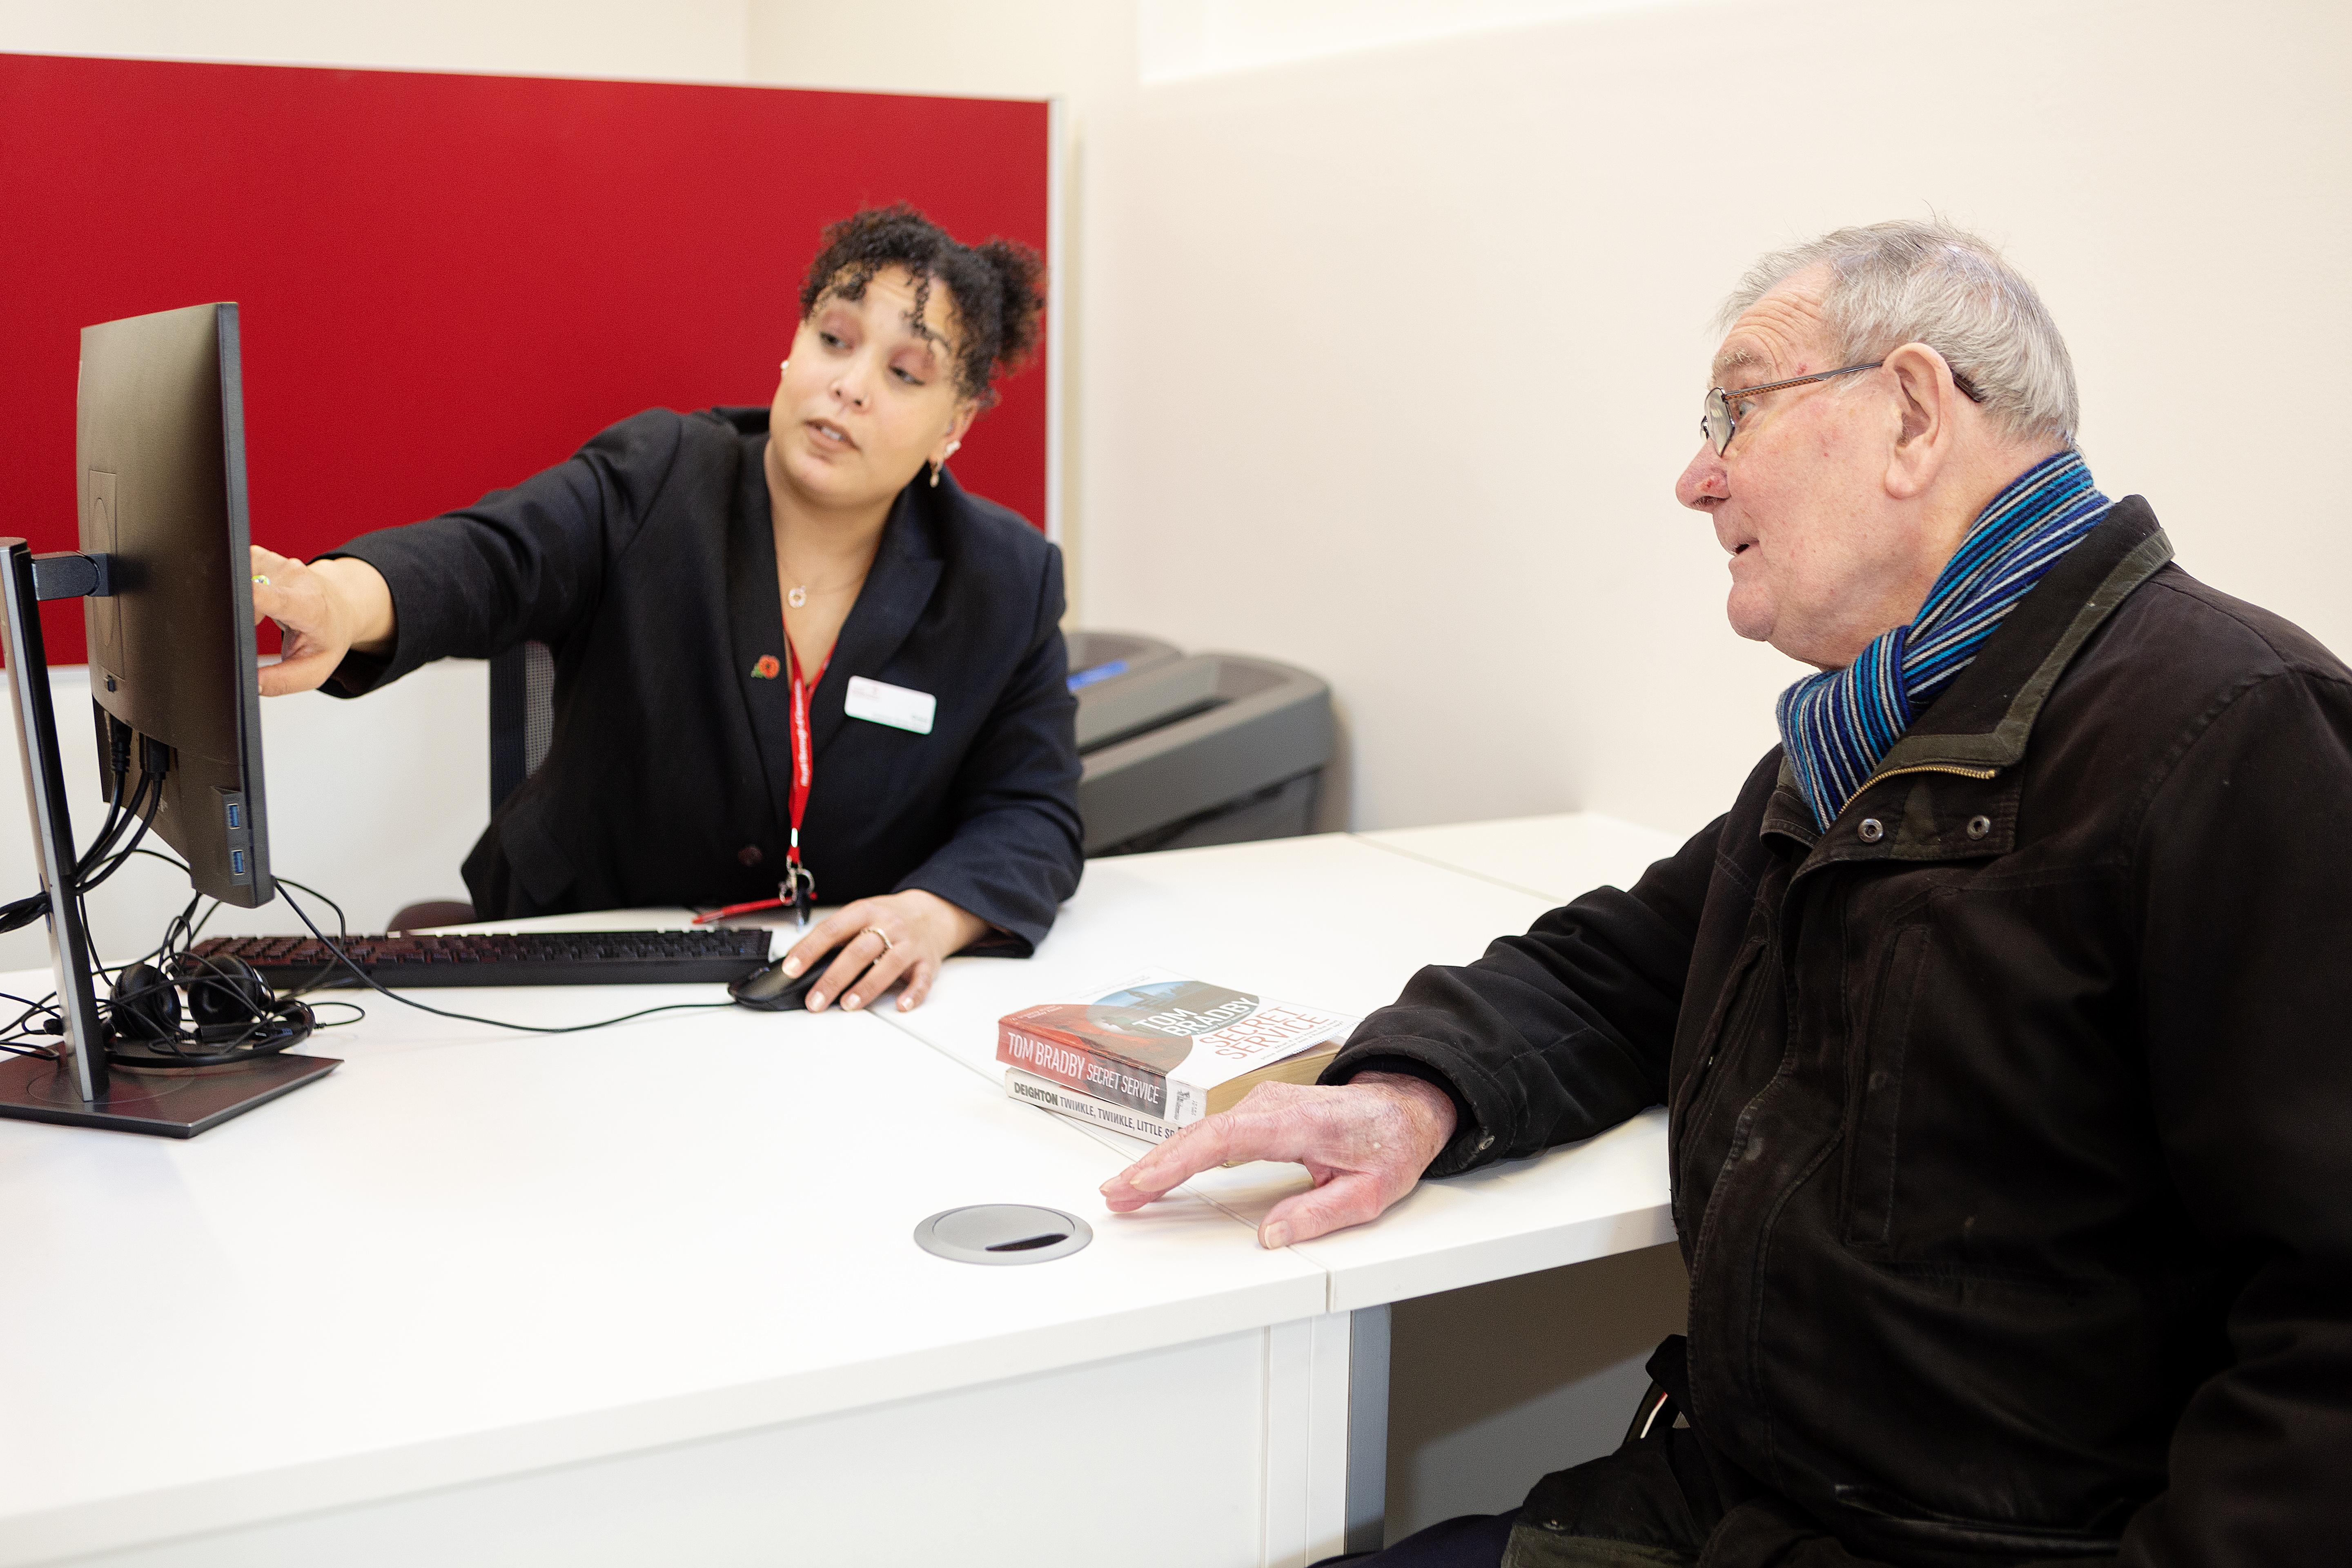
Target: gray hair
1927,282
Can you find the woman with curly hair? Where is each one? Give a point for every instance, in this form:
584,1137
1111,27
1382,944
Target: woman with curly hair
792,653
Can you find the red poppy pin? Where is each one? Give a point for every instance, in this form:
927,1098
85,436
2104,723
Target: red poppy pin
767,669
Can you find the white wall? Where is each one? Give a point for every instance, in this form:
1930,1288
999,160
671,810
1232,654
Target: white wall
1389,319
1393,356
684,40
999,49
1201,37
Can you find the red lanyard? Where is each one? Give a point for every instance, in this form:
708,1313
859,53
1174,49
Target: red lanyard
800,887
798,892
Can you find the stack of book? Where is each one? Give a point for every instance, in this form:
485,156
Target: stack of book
1157,1052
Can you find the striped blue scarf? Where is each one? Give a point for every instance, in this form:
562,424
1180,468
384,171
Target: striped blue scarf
1838,724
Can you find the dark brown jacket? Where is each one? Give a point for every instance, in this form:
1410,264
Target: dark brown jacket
2011,1116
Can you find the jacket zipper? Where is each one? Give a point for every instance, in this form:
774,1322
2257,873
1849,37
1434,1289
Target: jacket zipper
1966,772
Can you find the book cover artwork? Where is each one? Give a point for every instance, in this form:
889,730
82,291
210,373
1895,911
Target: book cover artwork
1162,1043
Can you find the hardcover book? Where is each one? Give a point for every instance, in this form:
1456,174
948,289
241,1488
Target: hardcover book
1170,1047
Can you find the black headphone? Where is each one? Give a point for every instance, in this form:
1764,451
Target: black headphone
236,1015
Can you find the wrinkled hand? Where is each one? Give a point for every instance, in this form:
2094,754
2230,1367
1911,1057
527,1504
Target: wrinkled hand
1365,1142
325,610
923,928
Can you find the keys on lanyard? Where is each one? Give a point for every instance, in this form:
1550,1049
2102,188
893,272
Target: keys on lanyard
799,889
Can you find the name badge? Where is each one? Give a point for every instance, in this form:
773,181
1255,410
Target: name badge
881,702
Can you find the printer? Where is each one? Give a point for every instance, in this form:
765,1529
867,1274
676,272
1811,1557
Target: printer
1184,749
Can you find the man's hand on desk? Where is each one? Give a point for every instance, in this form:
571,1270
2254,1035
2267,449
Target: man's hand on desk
1365,1142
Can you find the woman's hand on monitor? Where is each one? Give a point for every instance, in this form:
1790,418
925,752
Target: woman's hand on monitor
923,929
325,609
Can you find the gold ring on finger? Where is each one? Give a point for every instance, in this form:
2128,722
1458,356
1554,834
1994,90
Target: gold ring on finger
261,578
877,931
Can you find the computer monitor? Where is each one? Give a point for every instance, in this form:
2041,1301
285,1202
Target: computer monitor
160,447
164,570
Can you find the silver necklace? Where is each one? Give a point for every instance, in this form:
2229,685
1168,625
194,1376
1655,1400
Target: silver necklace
799,596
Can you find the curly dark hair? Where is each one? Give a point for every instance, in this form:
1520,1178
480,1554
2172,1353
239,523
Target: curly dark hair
997,288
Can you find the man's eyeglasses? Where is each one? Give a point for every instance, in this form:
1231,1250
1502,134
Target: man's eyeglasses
1718,423
1718,427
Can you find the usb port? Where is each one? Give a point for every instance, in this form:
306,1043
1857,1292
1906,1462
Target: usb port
235,815
237,862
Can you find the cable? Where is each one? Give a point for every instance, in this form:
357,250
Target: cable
187,934
180,935
269,1023
118,809
369,981
23,911
91,882
113,823
237,1016
343,931
342,924
16,1031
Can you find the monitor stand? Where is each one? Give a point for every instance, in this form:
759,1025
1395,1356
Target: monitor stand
77,1089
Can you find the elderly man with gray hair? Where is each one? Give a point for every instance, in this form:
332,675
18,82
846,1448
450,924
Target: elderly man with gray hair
2001,1023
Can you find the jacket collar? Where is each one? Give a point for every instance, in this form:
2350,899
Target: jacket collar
755,614
1956,767
898,586
906,570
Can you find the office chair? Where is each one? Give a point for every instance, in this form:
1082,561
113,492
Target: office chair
522,721
522,717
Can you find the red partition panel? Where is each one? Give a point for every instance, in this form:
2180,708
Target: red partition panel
447,282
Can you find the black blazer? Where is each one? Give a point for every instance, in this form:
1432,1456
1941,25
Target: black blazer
648,564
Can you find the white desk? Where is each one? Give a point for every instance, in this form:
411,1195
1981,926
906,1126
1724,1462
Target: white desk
1338,921
465,1258
648,1294
1556,857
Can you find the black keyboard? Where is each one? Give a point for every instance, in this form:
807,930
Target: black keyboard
721,953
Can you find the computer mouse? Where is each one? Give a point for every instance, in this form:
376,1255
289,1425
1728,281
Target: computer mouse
772,990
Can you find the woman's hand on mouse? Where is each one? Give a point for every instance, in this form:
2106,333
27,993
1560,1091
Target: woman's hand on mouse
325,609
923,930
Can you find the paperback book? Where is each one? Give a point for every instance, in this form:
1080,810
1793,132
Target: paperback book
1173,1048
1063,1101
